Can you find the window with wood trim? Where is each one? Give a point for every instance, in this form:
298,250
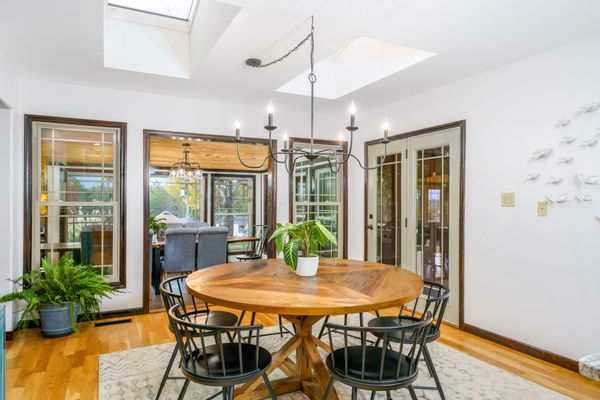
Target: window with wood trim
74,202
318,193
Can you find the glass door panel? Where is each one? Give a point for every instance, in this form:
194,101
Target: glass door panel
432,214
385,208
434,199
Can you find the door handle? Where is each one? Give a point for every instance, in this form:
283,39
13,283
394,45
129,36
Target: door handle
370,227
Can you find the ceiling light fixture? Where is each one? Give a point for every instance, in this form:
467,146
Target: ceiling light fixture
336,158
185,168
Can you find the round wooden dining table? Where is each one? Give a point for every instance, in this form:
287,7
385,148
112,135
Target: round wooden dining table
269,286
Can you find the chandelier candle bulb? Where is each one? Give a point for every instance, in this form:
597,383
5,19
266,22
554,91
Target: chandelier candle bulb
386,127
270,112
237,130
352,110
286,141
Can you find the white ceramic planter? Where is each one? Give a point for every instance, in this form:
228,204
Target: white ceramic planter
307,266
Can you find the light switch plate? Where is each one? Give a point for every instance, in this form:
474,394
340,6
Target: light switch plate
542,209
508,199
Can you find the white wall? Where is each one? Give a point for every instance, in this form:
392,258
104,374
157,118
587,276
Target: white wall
527,278
9,242
147,111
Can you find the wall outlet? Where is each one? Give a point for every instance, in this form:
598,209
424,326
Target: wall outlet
542,209
507,199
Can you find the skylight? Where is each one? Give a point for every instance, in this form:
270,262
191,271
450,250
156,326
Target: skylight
177,9
359,64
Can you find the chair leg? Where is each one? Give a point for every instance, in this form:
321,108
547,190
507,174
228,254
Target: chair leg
354,393
231,393
280,326
328,389
388,394
435,375
413,395
269,387
225,393
362,319
184,389
323,327
251,323
167,372
373,393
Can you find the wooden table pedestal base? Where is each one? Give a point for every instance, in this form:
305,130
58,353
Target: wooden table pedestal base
308,374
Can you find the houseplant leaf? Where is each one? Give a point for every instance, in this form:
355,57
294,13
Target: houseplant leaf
290,253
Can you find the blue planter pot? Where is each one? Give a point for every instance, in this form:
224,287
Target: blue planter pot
56,319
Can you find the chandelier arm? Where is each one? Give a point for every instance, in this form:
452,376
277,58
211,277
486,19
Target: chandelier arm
375,166
248,165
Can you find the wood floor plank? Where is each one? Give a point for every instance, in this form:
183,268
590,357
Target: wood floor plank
67,368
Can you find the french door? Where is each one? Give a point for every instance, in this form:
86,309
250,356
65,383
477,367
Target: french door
414,208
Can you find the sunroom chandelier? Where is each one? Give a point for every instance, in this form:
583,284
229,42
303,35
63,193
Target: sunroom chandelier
334,157
185,168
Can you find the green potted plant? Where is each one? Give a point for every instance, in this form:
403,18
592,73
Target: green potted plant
156,225
300,242
60,293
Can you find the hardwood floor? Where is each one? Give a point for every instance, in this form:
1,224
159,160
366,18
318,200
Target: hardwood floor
67,368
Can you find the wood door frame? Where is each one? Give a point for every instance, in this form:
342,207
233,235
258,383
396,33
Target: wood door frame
271,192
28,189
461,125
344,189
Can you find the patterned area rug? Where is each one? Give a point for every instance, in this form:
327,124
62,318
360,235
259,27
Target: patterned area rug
136,374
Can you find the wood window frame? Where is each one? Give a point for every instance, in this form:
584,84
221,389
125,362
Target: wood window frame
344,186
232,175
270,217
28,182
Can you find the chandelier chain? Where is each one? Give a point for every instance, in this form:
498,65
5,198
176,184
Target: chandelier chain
289,53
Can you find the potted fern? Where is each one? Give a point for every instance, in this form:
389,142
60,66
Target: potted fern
60,293
300,242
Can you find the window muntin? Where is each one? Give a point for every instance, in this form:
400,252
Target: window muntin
176,9
318,195
76,205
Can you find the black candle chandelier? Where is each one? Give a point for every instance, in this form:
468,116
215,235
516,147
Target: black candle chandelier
335,157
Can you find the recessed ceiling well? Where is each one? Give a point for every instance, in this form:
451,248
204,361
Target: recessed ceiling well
362,62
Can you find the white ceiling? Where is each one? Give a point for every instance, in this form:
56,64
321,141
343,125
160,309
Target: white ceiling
62,40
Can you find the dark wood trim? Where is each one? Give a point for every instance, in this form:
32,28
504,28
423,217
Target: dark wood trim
532,351
270,206
344,189
462,125
28,190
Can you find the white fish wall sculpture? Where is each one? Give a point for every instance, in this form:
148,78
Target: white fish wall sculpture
591,142
588,108
541,153
554,180
532,177
557,199
567,139
562,123
565,160
588,179
584,197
